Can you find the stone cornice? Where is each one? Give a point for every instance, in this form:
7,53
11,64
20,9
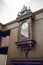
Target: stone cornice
24,16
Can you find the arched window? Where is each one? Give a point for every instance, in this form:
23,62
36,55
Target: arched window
24,29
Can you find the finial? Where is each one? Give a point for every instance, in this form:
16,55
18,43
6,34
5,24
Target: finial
29,8
24,7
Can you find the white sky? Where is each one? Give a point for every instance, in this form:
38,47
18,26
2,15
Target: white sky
10,8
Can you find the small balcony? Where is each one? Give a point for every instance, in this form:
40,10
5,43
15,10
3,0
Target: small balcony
25,46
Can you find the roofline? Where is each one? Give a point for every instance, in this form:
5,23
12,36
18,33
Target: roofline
14,21
38,11
1,24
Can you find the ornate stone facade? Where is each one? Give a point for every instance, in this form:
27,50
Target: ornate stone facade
35,34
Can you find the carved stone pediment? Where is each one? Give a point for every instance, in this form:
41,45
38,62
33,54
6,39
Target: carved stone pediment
24,11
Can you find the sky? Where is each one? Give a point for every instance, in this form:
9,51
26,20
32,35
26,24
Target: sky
9,8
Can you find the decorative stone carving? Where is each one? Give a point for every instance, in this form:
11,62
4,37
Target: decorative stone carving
24,11
25,40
